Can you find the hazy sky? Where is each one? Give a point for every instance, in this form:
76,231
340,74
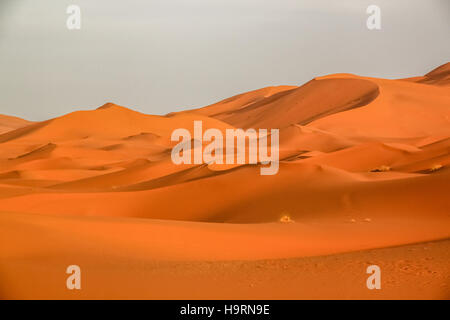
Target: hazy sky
158,56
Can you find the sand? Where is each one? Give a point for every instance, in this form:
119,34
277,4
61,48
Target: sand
9,123
364,179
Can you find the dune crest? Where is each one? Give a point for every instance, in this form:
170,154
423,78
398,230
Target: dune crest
9,123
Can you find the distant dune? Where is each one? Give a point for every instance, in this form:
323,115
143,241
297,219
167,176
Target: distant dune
8,123
364,178
439,76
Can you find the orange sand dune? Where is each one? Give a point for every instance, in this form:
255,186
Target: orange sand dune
109,121
305,138
9,123
297,190
240,101
373,156
131,175
439,76
179,260
363,179
304,104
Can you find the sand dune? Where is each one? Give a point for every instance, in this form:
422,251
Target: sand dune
9,123
364,167
109,121
306,138
240,101
298,192
302,105
439,76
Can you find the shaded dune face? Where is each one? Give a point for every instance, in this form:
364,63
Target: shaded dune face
240,101
440,73
8,123
114,150
312,101
364,164
439,76
107,122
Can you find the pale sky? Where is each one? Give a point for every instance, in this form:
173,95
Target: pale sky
158,56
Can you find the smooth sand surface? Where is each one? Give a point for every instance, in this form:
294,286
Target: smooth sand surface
363,179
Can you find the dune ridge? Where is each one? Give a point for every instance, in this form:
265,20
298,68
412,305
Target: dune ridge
9,123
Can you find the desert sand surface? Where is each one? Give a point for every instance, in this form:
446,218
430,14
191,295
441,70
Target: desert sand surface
9,123
363,179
